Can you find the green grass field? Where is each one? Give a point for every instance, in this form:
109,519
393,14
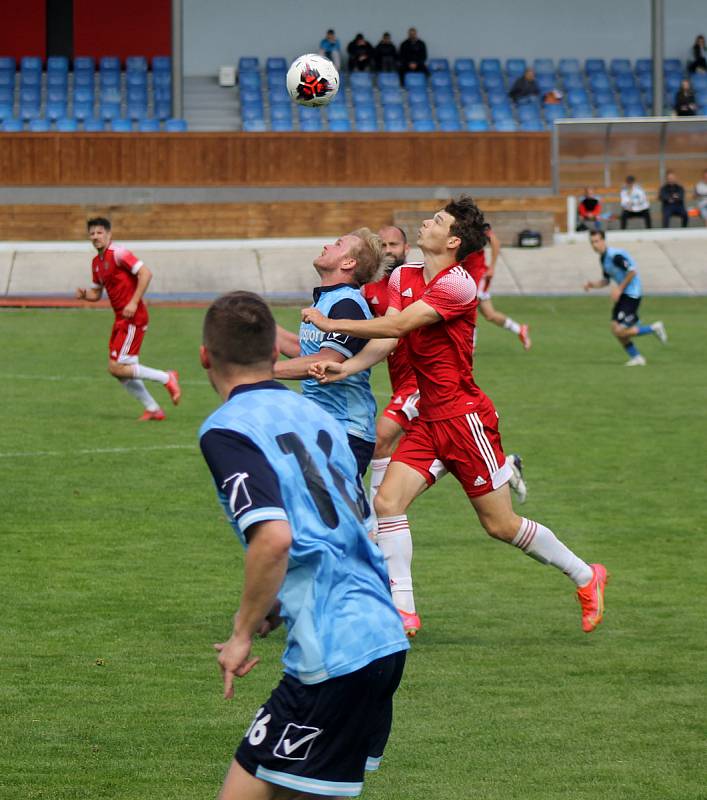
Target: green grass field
118,572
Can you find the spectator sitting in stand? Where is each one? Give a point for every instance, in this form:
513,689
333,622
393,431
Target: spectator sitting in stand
589,211
330,48
360,52
553,98
413,54
701,195
685,103
634,203
672,198
699,62
386,54
525,87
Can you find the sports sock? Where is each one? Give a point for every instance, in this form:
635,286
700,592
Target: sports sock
149,374
511,325
631,349
137,389
395,542
540,543
378,468
644,330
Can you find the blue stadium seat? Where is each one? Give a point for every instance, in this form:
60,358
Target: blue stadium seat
66,125
528,112
338,112
645,81
148,125
162,80
644,65
110,80
443,96
672,82
12,125
420,112
395,126
415,80
608,111
553,112
276,79
281,125
673,65
388,80
438,65
84,80
624,80
599,81
249,80
393,112
311,124
248,64
57,80
367,111
163,109
391,97
84,64
136,64
83,109
254,126
29,111
136,80
501,112
176,125
57,64
475,112
497,98
450,125
531,126
276,63
515,67
161,64
470,96
630,95
424,126
576,97
56,110
447,111
93,125
109,64
490,66
279,112
137,110
339,125
493,81
252,111
109,110
699,81
568,66
592,66
634,110
360,96
39,125
418,96
366,126
361,80
7,80
7,63
477,125
6,111
441,80
506,125
31,80
339,99
544,66
546,82
572,80
467,80
250,97
31,64
620,66
462,65
583,111
110,96
603,96
121,125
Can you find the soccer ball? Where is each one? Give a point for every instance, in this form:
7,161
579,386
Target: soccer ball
312,80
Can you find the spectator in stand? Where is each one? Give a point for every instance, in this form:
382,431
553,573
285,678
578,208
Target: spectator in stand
413,54
699,62
386,54
330,48
634,203
525,87
553,97
701,195
589,211
685,103
672,198
360,52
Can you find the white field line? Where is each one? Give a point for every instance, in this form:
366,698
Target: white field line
98,450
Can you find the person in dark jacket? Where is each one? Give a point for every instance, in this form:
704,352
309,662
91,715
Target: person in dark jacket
699,61
685,103
672,198
360,52
386,54
525,86
413,54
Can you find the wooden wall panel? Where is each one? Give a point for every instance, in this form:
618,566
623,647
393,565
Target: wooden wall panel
266,159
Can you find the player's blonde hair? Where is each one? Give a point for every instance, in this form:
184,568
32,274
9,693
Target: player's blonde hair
369,255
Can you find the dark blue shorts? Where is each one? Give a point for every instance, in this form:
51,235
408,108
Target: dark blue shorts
363,451
321,738
625,310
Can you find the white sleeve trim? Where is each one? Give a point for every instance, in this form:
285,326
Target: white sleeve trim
332,345
136,267
260,515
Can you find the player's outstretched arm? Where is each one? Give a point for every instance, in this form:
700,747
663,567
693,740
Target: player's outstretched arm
392,326
287,342
265,568
297,369
595,284
331,371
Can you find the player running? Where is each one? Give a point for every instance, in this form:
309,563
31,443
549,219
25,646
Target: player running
482,273
342,266
125,278
433,305
288,482
618,266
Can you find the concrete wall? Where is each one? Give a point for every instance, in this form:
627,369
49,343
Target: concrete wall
282,269
219,31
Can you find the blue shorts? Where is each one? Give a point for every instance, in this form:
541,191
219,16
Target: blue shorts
625,311
321,738
363,451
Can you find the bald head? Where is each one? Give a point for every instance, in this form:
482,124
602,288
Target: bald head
395,246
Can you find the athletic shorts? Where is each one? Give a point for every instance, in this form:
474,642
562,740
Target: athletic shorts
363,452
483,289
125,340
321,738
394,409
625,311
468,446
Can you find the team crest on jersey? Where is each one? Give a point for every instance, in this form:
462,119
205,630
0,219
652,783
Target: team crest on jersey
238,496
341,338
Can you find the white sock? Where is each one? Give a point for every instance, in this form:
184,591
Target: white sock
395,543
540,543
511,325
149,374
378,468
137,389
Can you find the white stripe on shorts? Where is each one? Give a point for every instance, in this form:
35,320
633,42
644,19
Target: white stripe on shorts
125,349
482,442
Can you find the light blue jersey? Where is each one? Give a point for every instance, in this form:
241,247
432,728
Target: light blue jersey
350,401
276,456
615,264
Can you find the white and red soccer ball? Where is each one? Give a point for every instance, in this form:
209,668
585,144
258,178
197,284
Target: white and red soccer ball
312,80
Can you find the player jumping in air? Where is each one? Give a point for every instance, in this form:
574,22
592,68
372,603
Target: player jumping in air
618,266
125,278
287,480
433,305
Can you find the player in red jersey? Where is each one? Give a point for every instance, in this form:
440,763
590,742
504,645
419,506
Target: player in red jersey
482,273
125,278
433,305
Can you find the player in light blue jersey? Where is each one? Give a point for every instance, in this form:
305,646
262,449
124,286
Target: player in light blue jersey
354,259
288,481
618,266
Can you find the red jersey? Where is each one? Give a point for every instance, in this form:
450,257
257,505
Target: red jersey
476,266
116,272
441,353
402,376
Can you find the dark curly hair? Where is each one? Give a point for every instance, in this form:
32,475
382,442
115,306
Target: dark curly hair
468,225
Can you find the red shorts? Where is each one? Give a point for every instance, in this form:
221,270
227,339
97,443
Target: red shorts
394,409
125,339
468,446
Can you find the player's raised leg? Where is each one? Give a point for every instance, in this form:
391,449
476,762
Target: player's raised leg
490,313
